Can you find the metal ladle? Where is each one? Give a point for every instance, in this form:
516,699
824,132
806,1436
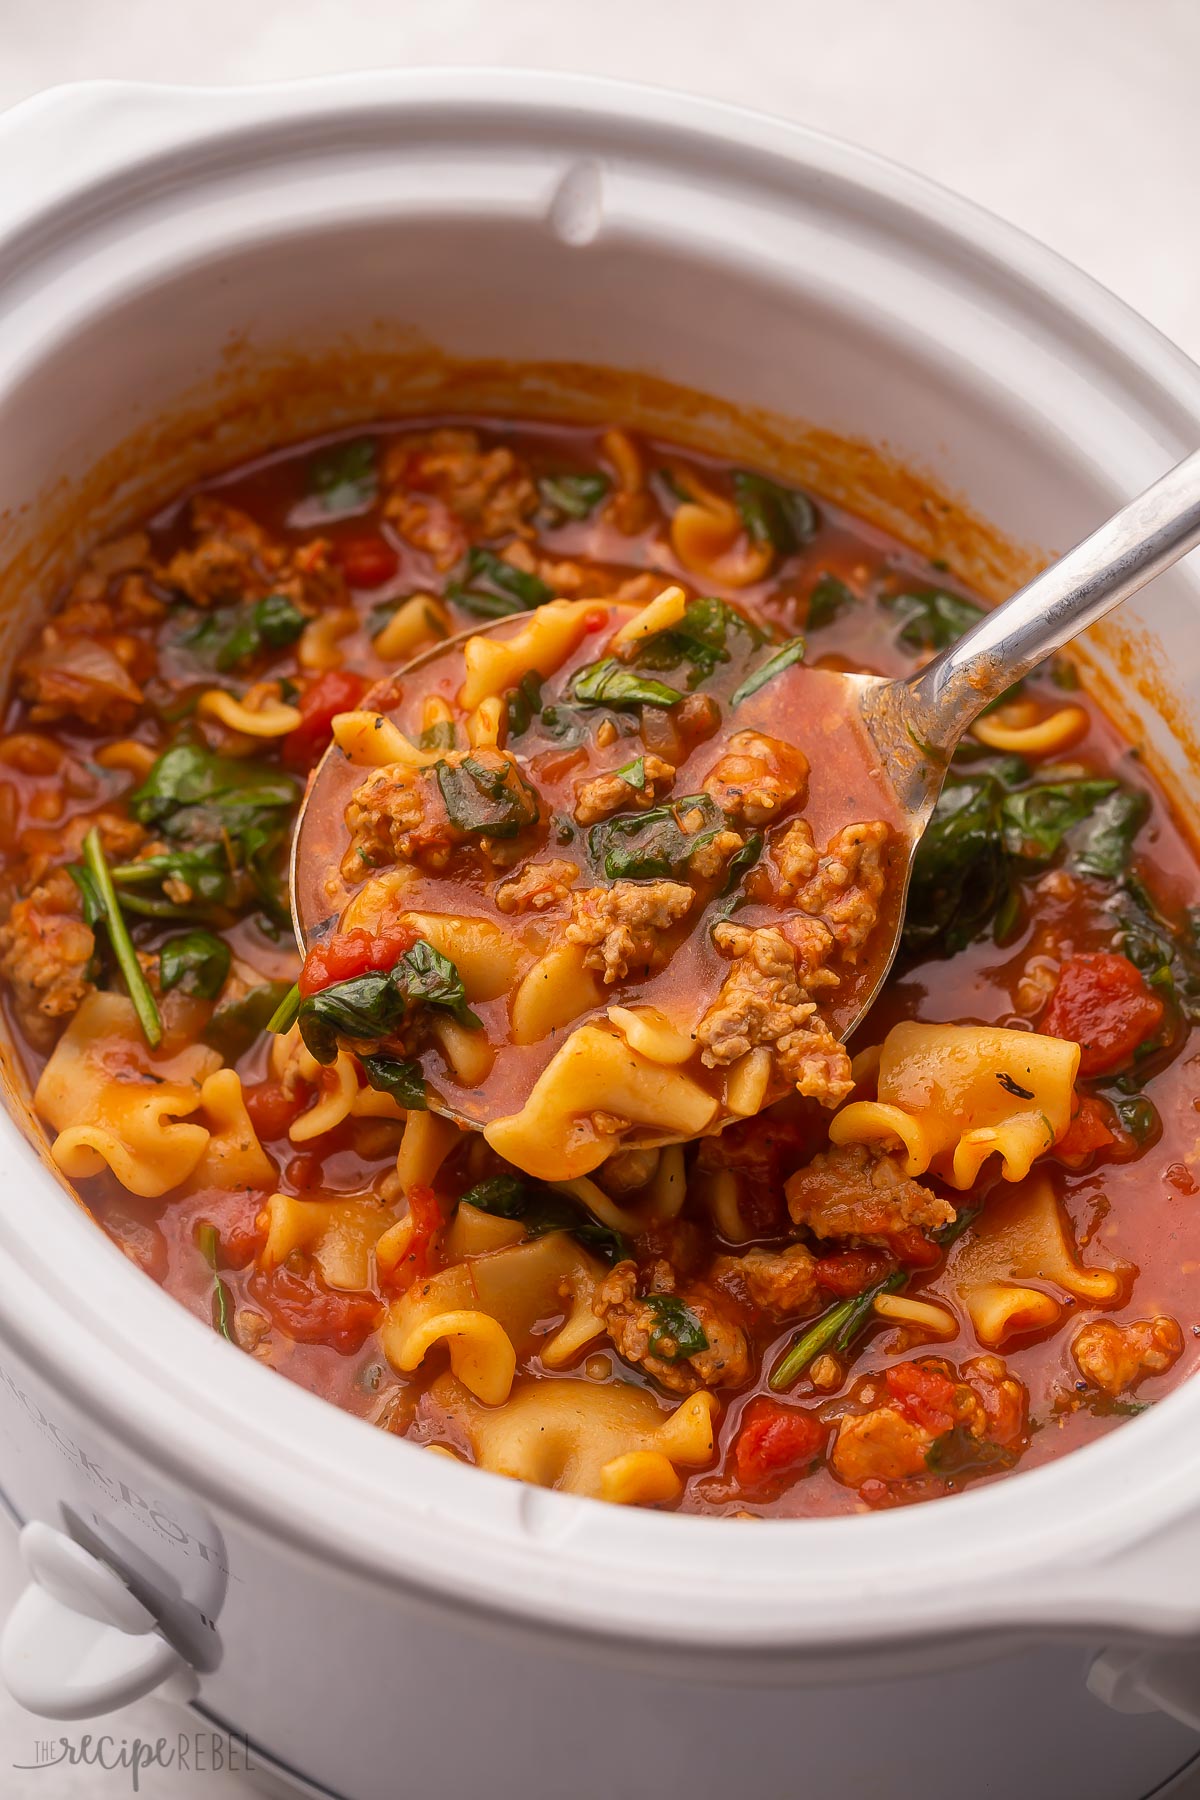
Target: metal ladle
917,722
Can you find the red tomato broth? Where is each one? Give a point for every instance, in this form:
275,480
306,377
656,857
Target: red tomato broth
1128,1206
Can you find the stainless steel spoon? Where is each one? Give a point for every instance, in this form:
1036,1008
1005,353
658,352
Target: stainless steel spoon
917,722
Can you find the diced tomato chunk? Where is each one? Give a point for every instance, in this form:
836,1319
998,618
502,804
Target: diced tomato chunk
312,1313
233,1215
272,1109
848,1272
913,1249
923,1394
1088,1132
338,690
772,1438
306,1172
350,953
1102,1004
367,560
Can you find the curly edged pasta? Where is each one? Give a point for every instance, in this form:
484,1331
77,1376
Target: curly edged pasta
952,1096
1023,1239
481,1309
114,1103
610,1442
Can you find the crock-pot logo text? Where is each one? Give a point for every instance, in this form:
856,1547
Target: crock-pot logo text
148,1513
197,1752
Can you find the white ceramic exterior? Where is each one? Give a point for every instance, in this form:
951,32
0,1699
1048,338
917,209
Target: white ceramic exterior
373,1617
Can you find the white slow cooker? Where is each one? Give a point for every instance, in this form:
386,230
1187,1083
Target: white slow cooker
188,276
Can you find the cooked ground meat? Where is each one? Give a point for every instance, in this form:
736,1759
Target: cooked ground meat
636,1323
444,480
120,838
622,926
708,862
1115,1357
610,793
845,889
758,777
537,886
761,1002
233,558
401,814
856,1191
783,1282
795,857
879,1445
45,952
396,815
923,1401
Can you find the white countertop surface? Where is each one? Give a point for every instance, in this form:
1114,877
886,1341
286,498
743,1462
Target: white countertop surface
1076,119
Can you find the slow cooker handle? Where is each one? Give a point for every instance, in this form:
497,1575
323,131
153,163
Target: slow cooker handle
77,1643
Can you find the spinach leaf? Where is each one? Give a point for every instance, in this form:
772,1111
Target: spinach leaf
402,1080
828,598
345,477
574,494
206,871
677,1332
375,1005
523,703
1136,1114
237,1024
1036,820
92,901
284,1016
503,1196
653,845
100,894
960,872
740,861
776,663
541,1209
229,820
439,736
491,588
1106,847
701,640
957,1454
616,684
983,836
222,1299
932,618
1166,950
196,963
836,1329
841,1324
780,516
189,778
491,799
427,978
231,635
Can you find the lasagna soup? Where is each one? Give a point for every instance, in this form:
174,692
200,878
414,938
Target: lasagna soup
548,1154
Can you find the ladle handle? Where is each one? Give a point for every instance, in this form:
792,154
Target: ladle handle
1136,544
